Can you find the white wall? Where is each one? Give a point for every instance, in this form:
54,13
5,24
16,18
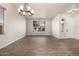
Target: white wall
55,27
76,26
48,28
14,26
69,26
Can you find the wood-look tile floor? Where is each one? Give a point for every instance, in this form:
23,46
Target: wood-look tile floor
42,46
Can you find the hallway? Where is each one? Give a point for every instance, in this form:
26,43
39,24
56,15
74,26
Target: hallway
42,46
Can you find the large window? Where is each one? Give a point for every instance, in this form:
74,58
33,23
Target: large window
1,20
39,26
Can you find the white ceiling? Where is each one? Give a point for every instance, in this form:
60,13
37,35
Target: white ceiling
49,9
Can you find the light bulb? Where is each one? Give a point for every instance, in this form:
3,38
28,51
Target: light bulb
18,10
29,13
21,6
24,13
28,8
32,11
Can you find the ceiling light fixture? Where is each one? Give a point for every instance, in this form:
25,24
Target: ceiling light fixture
73,11
25,10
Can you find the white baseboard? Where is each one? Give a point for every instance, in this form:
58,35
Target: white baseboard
76,38
63,37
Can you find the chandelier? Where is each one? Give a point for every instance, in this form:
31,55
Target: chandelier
25,10
73,11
